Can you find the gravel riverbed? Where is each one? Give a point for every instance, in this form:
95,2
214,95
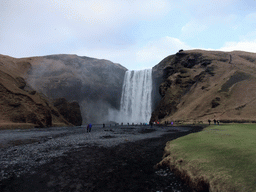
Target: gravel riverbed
117,158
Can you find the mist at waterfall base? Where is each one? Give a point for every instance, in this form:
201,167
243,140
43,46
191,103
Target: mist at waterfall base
136,102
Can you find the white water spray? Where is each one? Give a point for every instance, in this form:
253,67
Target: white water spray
136,97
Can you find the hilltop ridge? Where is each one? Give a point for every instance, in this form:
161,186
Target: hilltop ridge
198,85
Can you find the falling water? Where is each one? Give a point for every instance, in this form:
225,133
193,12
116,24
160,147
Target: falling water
136,96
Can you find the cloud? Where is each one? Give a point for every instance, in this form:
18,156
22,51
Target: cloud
207,15
192,28
135,57
249,46
157,50
200,9
125,57
47,27
109,11
251,17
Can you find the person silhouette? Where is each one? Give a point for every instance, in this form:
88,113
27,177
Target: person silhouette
89,127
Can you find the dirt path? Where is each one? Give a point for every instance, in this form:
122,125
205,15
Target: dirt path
124,167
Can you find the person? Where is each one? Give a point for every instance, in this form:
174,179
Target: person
209,121
214,121
89,127
151,124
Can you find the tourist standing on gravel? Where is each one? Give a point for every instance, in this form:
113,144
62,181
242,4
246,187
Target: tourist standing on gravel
89,127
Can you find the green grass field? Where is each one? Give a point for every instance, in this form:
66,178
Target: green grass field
223,155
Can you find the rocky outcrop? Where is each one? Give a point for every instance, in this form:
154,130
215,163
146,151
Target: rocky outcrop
157,78
199,85
21,106
95,84
69,110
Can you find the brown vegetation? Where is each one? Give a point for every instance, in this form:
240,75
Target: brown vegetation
21,106
200,85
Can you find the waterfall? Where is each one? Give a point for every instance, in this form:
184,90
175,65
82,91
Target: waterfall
135,106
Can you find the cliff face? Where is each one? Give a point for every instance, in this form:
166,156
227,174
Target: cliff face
157,79
95,84
200,85
70,111
20,105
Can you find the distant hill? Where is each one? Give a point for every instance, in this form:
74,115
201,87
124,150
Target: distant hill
198,85
20,105
53,89
96,84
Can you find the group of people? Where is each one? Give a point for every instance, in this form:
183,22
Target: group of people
214,121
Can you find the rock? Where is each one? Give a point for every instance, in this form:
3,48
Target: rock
215,102
18,118
70,111
32,92
21,82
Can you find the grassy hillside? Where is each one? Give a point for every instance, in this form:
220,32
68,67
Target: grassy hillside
222,158
200,85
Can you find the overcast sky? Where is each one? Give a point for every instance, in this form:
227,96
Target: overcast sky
137,34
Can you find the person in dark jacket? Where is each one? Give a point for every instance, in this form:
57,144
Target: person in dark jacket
89,127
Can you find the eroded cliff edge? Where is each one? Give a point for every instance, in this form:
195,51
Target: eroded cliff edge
198,85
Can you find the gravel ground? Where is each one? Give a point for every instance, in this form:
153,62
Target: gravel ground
117,158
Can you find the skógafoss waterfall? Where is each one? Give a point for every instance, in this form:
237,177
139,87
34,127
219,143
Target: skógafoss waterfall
135,106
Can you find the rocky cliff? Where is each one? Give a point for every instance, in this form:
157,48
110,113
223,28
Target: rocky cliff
199,85
21,106
95,84
70,111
